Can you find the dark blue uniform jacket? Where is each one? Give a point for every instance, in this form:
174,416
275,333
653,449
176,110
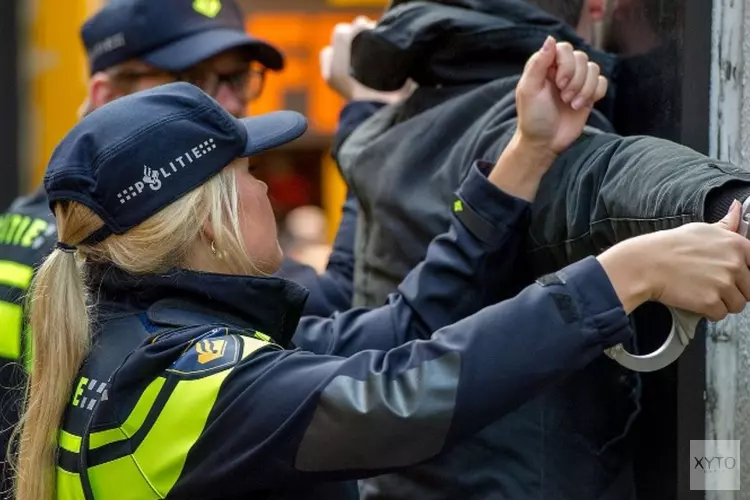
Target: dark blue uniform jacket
209,386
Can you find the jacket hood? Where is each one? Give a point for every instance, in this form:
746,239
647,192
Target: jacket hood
466,42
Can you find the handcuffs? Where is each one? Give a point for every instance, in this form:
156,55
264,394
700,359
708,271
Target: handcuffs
684,327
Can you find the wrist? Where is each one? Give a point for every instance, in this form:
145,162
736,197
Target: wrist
536,149
361,93
629,268
520,168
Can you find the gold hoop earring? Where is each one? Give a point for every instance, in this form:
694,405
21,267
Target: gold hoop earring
217,254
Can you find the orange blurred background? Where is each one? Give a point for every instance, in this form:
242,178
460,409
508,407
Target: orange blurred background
301,174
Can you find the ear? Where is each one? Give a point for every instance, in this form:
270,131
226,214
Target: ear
85,108
208,231
596,9
102,90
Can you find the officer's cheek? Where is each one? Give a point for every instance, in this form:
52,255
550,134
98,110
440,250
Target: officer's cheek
258,223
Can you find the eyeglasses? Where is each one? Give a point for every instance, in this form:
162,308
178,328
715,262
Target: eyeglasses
246,84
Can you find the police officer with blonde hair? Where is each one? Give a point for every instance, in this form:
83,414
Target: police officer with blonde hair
134,45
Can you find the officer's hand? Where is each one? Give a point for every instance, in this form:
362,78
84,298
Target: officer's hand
555,95
702,268
335,62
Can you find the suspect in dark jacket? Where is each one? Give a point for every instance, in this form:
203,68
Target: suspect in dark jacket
405,163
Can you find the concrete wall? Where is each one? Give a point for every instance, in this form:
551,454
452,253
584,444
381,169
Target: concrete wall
728,342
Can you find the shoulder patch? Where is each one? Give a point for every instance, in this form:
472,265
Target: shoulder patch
214,351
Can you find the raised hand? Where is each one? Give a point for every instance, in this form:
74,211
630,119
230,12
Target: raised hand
335,62
549,119
555,95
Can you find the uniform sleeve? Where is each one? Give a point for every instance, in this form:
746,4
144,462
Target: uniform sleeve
293,417
462,272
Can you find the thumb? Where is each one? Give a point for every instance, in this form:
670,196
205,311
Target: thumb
326,59
731,221
537,68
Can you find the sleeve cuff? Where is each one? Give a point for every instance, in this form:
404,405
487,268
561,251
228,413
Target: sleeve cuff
482,207
601,309
355,112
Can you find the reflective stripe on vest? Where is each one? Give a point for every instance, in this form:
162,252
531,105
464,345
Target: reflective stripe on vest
18,276
162,441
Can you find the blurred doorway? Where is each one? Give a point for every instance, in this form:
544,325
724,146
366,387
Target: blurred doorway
303,173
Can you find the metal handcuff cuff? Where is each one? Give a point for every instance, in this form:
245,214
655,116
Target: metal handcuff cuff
684,327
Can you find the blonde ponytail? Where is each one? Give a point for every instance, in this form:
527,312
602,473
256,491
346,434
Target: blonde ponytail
59,322
58,318
58,305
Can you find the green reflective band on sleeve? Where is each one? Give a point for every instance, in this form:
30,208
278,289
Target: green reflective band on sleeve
162,454
134,421
15,274
103,438
69,442
11,324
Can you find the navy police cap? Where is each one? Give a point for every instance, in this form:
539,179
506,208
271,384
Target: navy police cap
129,159
171,35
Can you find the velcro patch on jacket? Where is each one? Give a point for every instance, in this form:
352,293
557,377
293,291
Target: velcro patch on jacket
567,307
209,353
550,279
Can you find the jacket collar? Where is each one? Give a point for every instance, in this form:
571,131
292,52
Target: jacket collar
183,298
469,42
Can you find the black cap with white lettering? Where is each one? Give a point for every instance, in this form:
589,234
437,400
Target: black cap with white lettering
132,157
171,35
